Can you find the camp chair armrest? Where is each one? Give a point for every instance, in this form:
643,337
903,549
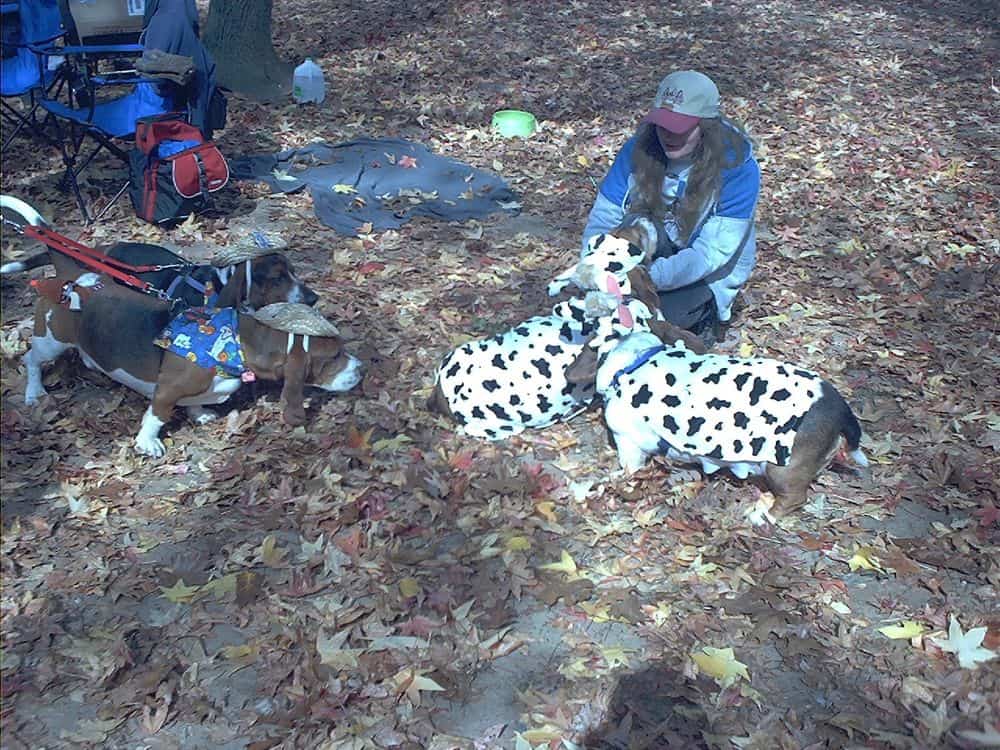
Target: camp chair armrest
101,49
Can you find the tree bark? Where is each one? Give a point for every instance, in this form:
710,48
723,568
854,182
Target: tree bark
238,34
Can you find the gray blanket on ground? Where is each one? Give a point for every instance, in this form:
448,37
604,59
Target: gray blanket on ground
382,181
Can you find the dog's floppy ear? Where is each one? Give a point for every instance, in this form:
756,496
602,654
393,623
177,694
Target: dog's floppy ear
231,293
668,333
292,392
640,230
643,288
583,369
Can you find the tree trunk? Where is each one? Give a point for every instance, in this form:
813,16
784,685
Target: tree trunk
238,34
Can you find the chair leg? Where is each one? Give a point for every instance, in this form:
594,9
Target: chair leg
18,120
110,203
74,168
69,180
17,129
75,187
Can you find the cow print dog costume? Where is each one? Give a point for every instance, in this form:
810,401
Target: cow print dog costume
752,416
497,387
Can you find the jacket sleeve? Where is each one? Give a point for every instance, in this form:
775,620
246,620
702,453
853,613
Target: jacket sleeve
721,236
609,206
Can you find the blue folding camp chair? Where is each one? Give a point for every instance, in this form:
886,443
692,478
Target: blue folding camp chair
115,92
27,72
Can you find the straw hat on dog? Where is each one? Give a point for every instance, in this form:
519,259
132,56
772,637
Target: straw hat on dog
248,248
295,318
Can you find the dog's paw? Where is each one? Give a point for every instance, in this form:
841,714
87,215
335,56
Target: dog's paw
201,415
294,416
760,512
152,447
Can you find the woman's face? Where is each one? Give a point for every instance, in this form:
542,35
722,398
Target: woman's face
678,145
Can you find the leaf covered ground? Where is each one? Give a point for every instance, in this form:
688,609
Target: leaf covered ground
376,581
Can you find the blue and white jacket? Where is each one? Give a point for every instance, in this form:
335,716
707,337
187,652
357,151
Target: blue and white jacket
722,249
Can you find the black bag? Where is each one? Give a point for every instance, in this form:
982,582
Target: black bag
173,170
218,111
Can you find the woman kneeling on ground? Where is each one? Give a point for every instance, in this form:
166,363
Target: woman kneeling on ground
694,173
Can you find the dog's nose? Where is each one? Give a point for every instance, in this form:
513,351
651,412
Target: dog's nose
310,297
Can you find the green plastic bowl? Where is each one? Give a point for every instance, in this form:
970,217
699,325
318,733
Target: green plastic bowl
512,123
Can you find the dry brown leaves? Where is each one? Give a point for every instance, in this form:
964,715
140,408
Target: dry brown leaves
376,581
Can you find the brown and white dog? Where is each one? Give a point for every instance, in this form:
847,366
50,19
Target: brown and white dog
751,416
250,276
114,332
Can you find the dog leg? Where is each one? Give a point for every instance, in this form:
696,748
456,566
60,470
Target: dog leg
178,380
630,456
43,349
790,483
816,441
148,440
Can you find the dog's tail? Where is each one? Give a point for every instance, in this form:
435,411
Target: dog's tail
20,212
19,266
438,404
850,428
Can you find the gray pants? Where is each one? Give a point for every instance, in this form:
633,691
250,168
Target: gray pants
691,307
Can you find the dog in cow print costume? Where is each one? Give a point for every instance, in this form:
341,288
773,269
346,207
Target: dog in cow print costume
753,416
497,387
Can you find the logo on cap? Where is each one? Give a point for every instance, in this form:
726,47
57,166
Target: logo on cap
672,97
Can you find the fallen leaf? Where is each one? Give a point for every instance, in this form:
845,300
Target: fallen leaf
222,587
989,737
546,509
282,176
409,587
597,612
92,731
518,544
966,646
410,682
179,593
616,656
864,559
565,565
906,629
721,665
776,321
243,652
332,652
270,554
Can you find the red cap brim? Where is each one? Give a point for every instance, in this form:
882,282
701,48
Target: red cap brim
675,122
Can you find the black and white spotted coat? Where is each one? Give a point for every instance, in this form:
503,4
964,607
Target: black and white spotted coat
497,387
605,255
719,410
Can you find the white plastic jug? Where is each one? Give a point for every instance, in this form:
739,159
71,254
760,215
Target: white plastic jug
308,84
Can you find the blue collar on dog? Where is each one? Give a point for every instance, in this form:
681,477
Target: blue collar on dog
642,359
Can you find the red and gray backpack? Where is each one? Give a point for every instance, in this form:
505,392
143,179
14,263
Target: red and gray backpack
173,170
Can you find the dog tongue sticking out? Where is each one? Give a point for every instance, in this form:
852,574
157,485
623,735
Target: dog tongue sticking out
624,314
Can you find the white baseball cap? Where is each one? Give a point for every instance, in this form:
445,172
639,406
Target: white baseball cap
682,100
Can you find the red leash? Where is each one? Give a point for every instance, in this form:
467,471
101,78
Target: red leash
95,259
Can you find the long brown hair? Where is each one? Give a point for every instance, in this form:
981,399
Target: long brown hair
723,145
